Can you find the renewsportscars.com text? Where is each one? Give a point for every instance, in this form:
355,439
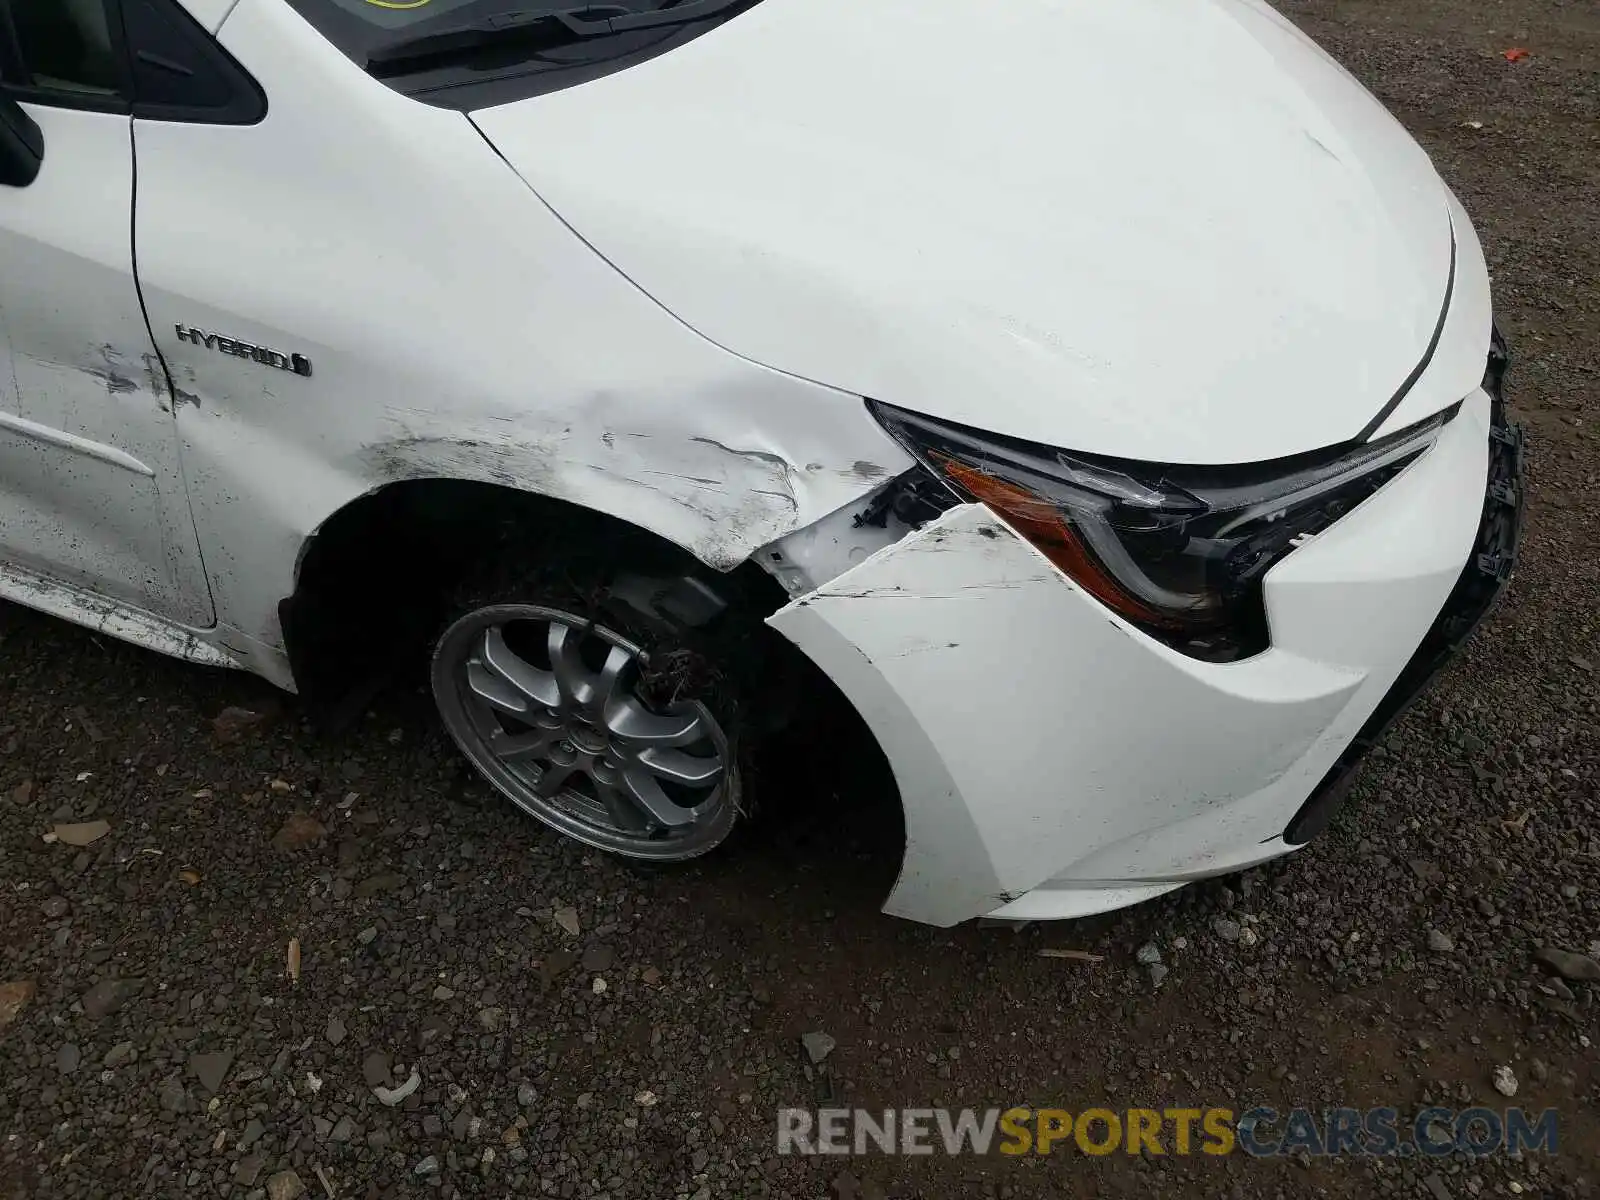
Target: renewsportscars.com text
1260,1132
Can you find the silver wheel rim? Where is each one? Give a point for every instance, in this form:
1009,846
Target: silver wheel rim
548,708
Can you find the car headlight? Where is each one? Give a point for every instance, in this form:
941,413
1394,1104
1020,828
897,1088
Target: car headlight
1179,551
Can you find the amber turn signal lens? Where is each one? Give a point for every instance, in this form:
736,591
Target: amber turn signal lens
1042,524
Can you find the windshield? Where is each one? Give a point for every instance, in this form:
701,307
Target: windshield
503,50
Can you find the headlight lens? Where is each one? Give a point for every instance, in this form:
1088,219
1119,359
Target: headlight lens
1179,551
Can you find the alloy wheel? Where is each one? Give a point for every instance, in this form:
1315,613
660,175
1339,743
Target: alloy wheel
553,710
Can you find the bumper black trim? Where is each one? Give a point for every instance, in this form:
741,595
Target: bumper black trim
1478,590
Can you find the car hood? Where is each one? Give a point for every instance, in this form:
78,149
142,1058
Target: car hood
1174,232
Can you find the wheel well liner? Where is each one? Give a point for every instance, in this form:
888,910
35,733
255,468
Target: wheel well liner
372,579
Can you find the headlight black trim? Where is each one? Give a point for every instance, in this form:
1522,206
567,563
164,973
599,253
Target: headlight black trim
1181,552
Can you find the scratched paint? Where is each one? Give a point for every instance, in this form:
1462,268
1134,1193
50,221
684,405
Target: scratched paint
539,368
720,502
94,496
1074,777
91,485
104,614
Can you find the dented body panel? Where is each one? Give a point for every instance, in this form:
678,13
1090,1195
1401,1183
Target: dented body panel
91,486
1054,761
517,357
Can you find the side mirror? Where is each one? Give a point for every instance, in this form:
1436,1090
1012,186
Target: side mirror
21,145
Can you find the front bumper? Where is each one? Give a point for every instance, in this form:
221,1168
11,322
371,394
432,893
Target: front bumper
1478,590
1053,761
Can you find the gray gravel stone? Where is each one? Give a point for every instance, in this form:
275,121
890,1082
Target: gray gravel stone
106,997
381,884
173,1097
817,1045
211,1068
375,1069
1569,964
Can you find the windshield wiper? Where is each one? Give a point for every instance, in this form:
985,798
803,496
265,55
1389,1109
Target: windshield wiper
537,29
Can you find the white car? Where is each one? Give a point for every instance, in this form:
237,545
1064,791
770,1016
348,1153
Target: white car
1103,395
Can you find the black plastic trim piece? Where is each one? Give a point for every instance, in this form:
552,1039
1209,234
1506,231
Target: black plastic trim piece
1373,426
115,105
914,498
181,73
25,129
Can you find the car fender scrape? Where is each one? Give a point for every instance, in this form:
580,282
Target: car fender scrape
721,502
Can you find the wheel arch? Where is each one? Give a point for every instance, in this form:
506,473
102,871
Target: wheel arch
373,572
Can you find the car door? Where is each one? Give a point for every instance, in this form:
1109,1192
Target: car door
91,489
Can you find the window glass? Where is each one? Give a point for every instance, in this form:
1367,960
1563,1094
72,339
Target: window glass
66,45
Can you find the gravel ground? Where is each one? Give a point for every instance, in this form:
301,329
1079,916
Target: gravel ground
581,1030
